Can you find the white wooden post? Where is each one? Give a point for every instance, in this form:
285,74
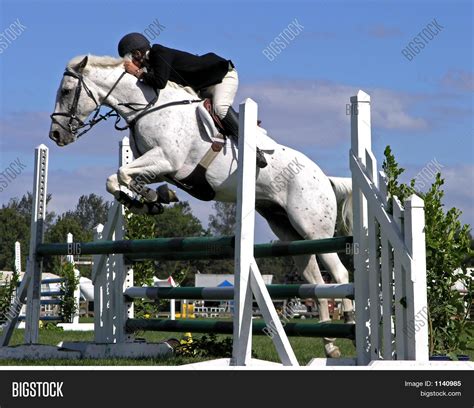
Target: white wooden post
111,275
173,309
417,291
77,290
124,271
100,277
244,234
30,286
399,271
401,277
34,265
248,279
17,258
360,143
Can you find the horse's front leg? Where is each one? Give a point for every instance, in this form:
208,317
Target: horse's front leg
147,169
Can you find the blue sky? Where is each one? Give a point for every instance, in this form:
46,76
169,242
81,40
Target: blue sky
422,108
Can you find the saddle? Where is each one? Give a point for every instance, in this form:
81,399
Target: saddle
209,107
196,183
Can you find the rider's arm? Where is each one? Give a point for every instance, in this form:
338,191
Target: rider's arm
160,65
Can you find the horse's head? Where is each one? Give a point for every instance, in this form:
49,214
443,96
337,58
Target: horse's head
76,99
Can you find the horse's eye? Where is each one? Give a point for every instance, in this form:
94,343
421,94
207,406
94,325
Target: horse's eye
66,92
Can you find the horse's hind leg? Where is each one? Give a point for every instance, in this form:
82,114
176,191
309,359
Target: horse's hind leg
340,274
307,265
311,272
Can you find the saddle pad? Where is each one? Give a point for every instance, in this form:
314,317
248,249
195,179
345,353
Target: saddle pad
264,142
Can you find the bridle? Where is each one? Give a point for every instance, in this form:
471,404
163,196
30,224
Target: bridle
75,124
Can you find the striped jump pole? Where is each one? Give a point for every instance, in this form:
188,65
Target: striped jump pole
194,247
326,291
342,330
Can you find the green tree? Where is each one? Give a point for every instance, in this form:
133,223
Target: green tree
65,223
15,219
448,248
91,210
223,221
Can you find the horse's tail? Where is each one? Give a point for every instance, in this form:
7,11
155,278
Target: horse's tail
342,187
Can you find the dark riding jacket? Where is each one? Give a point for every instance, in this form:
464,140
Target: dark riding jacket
197,71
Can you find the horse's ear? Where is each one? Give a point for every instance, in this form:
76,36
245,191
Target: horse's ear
80,67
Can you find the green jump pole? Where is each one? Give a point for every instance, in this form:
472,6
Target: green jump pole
192,248
155,245
342,330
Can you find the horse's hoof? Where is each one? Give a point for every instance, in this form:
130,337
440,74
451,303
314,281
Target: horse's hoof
148,195
154,208
332,351
165,195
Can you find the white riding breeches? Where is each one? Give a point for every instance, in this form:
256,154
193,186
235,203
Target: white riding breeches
223,93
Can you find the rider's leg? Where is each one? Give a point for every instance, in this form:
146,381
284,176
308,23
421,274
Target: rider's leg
231,123
223,95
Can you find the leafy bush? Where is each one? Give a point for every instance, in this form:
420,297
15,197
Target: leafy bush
447,249
68,307
205,346
7,292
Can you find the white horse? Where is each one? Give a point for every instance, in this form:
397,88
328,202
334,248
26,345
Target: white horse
292,193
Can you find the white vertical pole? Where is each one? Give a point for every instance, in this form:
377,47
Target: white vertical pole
244,234
69,240
99,279
416,286
17,258
248,279
77,289
173,309
35,266
374,288
399,291
123,278
360,143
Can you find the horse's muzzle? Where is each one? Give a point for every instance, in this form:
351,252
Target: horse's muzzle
54,135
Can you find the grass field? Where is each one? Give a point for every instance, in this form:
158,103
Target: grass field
305,349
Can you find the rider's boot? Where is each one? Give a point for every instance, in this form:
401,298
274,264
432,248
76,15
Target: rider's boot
231,126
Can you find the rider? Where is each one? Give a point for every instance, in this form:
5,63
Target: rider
208,74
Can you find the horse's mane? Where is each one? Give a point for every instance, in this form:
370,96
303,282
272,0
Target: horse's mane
95,61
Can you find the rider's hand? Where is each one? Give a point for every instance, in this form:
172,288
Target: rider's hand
130,67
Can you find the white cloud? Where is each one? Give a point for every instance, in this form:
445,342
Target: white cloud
314,112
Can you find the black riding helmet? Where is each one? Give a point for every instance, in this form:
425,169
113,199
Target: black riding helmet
133,41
